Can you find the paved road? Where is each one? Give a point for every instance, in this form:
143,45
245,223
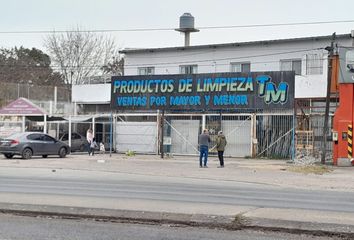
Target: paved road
19,228
114,190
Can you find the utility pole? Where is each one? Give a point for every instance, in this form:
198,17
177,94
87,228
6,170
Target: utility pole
162,119
330,50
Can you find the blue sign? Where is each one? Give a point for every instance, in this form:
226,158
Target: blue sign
256,90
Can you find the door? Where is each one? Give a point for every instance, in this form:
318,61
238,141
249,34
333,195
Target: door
49,145
34,141
184,136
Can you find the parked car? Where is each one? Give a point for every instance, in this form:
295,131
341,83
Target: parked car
78,142
30,144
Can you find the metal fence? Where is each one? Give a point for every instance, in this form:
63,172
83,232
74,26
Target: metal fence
248,135
275,135
12,91
261,135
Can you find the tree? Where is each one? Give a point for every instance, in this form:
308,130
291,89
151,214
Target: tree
114,67
81,54
23,65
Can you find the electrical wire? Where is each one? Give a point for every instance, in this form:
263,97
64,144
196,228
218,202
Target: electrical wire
173,29
168,63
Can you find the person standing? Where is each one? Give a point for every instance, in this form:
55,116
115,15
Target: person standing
93,146
204,140
89,138
220,146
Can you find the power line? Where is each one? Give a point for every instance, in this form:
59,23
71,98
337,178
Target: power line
166,63
279,24
172,29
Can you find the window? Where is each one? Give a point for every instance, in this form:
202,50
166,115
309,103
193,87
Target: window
47,138
35,137
64,137
240,67
291,65
314,64
188,69
349,61
146,71
75,136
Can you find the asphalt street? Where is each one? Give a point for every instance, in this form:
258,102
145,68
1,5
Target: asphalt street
109,188
257,194
29,228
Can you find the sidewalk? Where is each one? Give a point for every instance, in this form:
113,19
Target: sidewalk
266,172
270,172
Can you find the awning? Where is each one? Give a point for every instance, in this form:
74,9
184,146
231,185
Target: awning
22,107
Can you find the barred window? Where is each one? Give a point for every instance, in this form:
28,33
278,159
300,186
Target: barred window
314,64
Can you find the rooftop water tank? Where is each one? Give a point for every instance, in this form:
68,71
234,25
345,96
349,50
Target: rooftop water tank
186,21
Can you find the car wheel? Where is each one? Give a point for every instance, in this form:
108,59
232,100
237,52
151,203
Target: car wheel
44,156
9,155
27,153
62,152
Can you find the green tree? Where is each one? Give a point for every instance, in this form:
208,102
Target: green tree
23,65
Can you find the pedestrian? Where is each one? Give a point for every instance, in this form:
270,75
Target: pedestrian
93,146
220,146
204,140
102,148
89,138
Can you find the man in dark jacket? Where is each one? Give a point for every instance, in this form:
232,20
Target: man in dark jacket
220,146
204,140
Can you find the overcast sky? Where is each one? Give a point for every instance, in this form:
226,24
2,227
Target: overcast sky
41,15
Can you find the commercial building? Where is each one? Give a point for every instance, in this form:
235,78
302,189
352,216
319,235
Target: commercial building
307,57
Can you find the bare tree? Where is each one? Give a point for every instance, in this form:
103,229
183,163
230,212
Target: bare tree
80,54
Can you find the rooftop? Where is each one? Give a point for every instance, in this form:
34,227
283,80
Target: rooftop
235,44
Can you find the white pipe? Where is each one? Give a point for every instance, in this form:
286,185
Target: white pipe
23,124
69,133
203,122
45,124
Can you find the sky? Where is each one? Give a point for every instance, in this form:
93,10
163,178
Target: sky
49,15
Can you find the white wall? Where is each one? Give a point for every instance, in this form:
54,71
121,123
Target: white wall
92,93
263,57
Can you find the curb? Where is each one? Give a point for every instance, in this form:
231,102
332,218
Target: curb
238,222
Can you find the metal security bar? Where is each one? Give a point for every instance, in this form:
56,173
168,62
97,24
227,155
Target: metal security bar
274,135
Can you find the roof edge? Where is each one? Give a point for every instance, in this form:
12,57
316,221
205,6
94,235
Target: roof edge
234,44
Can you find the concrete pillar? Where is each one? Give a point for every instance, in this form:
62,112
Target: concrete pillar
203,122
69,132
45,124
93,126
23,123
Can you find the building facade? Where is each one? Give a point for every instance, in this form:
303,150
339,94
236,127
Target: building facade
307,57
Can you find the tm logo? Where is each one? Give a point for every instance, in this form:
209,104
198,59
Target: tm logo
269,91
